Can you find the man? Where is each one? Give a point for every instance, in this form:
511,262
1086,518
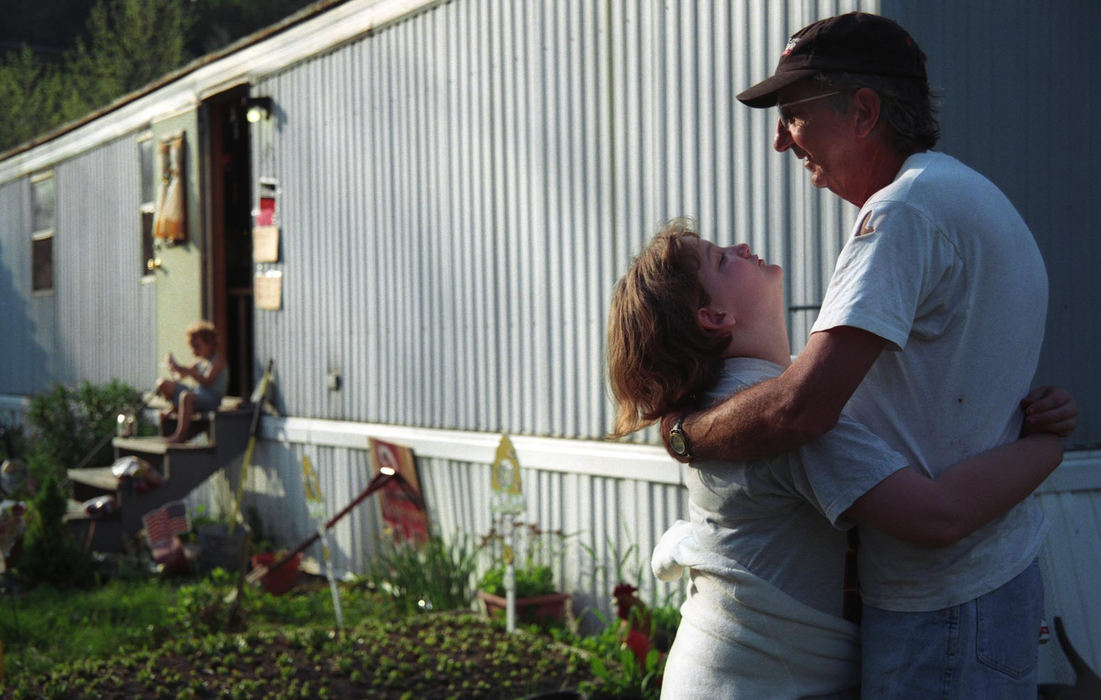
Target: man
930,332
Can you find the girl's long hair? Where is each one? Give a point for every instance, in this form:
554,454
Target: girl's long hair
659,357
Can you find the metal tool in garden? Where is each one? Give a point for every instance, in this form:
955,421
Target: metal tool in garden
258,396
384,477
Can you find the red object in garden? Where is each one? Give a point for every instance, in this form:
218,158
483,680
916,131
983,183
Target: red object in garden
635,620
280,579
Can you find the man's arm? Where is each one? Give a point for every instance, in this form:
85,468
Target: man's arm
783,413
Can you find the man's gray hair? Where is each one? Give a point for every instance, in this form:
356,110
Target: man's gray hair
906,106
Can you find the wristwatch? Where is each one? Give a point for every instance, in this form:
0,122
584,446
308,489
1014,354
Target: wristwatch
678,441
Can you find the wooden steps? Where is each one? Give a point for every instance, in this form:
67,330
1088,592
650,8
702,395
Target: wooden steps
182,467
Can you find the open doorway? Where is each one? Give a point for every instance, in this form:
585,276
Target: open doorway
228,190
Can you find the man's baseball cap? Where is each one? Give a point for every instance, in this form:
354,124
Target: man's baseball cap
856,42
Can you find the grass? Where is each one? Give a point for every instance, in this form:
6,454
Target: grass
46,626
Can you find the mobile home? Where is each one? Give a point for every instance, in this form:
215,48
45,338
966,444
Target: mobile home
451,190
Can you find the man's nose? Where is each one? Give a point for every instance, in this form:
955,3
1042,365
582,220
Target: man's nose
783,140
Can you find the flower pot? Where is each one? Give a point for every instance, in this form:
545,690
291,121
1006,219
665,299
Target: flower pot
219,548
550,607
280,580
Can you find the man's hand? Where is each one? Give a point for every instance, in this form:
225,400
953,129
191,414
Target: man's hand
1049,409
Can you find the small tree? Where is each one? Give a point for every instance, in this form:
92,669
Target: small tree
50,552
33,93
130,44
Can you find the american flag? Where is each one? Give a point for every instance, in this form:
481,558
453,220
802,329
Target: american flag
163,524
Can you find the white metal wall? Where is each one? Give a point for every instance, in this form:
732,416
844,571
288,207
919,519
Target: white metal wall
95,325
461,191
105,315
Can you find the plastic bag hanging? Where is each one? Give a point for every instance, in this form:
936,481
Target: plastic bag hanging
169,220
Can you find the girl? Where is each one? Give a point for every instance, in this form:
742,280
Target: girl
691,323
210,373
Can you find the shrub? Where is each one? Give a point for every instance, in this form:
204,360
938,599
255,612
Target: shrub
51,553
67,423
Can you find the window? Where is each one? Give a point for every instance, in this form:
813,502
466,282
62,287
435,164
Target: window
43,222
148,204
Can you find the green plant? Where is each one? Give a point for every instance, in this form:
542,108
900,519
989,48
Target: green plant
51,554
532,551
67,423
624,677
530,581
435,575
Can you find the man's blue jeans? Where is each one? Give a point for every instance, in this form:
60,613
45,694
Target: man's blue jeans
984,648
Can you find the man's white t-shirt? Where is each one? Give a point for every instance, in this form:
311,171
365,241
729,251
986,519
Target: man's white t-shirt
942,266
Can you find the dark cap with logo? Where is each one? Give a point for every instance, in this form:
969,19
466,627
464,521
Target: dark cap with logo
852,43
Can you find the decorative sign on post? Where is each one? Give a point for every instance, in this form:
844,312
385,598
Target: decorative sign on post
401,515
508,494
508,501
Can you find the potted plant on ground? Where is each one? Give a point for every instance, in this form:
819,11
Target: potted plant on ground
538,599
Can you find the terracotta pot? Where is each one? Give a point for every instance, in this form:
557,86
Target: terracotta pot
278,581
533,609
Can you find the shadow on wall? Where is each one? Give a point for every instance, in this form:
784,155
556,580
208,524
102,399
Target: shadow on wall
25,370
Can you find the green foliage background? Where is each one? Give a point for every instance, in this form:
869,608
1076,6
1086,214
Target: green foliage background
62,59
66,423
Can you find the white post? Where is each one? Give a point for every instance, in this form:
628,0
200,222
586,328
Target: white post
510,575
332,580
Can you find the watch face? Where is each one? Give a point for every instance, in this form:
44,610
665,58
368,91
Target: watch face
676,441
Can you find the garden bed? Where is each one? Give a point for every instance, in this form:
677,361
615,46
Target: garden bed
444,655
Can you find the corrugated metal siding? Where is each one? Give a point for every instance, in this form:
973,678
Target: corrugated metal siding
462,190
104,313
26,319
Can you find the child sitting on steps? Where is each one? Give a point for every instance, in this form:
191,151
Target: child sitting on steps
210,373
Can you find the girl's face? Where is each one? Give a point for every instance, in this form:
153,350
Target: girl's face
739,283
201,348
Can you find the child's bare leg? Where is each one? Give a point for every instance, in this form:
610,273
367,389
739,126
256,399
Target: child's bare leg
167,389
183,417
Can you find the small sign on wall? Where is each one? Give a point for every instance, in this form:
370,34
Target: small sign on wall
267,289
265,244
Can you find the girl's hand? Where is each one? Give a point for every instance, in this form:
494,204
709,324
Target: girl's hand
1049,409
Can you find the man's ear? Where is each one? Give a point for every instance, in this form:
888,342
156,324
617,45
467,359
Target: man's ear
866,106
714,321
